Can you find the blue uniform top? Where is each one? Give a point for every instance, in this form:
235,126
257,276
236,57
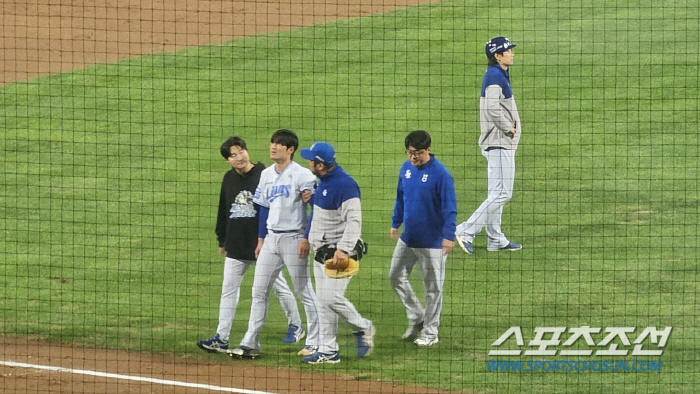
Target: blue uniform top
426,205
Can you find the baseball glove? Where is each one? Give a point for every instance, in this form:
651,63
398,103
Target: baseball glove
336,271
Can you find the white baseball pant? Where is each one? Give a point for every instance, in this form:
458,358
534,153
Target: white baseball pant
234,271
501,177
432,266
279,250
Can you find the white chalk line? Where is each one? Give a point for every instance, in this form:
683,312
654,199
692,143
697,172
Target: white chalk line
133,378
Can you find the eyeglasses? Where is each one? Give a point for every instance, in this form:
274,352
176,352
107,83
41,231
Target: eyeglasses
414,153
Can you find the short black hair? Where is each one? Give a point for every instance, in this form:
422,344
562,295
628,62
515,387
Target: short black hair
232,141
419,139
287,138
493,61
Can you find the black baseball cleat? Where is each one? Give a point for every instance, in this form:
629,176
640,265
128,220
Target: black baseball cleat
244,352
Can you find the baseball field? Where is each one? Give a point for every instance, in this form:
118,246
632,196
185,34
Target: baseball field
111,175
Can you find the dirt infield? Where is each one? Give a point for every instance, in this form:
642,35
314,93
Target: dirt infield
51,36
228,373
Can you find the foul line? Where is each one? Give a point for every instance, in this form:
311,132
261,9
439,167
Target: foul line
134,378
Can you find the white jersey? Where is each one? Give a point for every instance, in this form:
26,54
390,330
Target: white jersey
281,193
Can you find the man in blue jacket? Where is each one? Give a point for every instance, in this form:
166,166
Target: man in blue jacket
426,205
334,232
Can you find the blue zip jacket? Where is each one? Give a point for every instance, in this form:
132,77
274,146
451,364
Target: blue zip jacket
426,205
336,218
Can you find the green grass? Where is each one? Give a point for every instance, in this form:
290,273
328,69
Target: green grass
111,177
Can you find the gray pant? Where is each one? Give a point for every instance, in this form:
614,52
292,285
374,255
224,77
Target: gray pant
432,265
501,174
331,295
234,271
279,250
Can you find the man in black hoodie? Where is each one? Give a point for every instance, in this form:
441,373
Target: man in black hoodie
237,232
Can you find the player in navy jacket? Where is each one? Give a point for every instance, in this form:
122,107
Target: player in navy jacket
335,224
426,205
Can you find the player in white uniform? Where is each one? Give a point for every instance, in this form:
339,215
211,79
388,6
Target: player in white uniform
282,194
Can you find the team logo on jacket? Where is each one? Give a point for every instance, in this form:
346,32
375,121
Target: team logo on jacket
278,191
242,206
408,174
425,178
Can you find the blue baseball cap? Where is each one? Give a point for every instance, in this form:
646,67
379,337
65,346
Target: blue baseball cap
321,152
498,44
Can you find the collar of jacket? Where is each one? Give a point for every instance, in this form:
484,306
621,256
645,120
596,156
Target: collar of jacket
428,163
330,174
506,73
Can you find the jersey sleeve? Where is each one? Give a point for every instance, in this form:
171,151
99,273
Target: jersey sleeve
260,192
307,180
448,205
351,214
397,217
222,218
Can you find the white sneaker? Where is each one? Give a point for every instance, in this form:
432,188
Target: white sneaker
425,342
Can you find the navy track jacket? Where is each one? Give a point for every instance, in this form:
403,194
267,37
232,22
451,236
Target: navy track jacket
426,205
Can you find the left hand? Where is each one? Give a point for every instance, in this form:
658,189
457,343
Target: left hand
339,259
447,246
304,248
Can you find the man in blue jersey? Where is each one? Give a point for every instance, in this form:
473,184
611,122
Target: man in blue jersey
334,232
426,205
500,135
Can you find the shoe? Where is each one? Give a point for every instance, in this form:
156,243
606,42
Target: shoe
320,358
244,352
294,334
365,342
213,345
425,342
307,351
511,246
466,246
413,332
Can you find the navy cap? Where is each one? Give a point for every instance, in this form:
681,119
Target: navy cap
321,152
498,44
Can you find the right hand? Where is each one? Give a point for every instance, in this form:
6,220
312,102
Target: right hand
513,130
394,233
304,248
259,247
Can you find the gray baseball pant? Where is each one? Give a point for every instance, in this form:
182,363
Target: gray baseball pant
501,177
432,266
331,295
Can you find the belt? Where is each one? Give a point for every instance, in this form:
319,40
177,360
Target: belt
285,231
490,148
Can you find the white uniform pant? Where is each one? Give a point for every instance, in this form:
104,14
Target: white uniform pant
279,250
432,264
501,175
234,271
331,296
